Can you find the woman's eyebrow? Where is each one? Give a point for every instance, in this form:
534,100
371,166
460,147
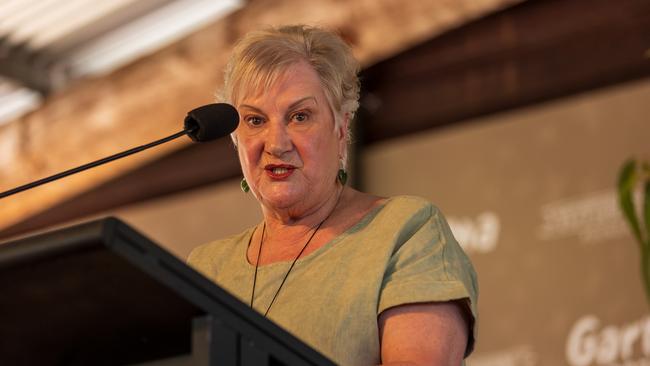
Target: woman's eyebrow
254,109
301,100
291,106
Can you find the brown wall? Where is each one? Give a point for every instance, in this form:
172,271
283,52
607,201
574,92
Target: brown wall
530,195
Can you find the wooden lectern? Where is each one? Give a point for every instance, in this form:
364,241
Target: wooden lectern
100,293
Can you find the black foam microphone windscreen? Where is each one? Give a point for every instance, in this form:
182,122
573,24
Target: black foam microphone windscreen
211,122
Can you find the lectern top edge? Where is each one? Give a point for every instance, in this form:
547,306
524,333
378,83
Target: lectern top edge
52,242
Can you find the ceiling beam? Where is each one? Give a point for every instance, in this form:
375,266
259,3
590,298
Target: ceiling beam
35,70
530,53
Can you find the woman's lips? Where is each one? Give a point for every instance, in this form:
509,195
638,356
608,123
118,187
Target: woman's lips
279,171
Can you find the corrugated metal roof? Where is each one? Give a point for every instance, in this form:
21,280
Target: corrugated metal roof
46,43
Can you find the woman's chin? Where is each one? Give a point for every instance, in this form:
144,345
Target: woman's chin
281,199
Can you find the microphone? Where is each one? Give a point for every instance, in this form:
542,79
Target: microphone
202,124
211,122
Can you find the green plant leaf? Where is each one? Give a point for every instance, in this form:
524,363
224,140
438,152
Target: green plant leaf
626,182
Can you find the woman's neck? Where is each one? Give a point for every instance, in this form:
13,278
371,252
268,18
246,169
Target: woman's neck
284,234
301,216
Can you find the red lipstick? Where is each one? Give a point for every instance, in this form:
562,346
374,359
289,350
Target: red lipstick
279,171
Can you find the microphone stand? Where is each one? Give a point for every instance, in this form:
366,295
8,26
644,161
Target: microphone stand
94,163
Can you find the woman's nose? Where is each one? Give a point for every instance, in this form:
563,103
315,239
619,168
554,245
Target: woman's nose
278,140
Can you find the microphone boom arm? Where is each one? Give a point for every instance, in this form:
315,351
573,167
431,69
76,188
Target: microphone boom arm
94,164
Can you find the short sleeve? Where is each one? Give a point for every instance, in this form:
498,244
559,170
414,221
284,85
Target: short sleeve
428,265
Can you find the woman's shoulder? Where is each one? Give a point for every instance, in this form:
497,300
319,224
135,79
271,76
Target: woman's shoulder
410,206
369,204
415,202
399,214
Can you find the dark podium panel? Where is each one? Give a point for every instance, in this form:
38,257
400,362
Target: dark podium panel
100,293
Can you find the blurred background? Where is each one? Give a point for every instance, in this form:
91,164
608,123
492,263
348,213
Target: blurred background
514,117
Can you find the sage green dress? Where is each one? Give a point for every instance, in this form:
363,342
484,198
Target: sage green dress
400,253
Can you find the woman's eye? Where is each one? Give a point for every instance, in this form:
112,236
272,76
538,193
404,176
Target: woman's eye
300,117
254,120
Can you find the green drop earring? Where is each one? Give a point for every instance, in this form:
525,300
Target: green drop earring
342,176
244,185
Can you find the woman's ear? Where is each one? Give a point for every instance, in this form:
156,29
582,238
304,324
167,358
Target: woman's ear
344,128
342,132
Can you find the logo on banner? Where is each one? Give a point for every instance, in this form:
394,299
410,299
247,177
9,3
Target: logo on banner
590,218
479,234
593,343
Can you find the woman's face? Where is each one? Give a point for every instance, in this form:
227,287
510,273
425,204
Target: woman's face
287,144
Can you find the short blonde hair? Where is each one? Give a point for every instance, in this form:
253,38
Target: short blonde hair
261,56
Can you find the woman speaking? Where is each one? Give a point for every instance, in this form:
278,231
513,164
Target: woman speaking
360,278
